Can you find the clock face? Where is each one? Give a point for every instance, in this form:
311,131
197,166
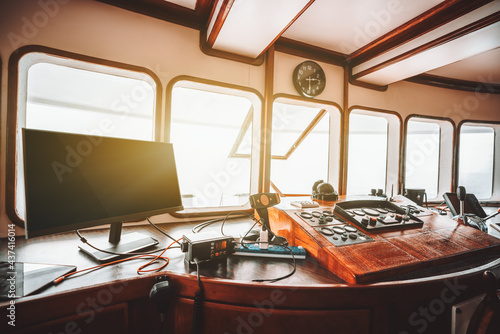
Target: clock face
309,79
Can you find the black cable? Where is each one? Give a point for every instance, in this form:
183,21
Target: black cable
198,302
201,226
273,280
162,232
258,221
84,240
162,323
230,213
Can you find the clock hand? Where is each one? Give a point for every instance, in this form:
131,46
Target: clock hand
309,79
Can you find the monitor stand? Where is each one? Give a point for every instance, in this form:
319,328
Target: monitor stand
117,243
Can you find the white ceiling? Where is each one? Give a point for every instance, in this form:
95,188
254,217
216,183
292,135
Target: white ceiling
347,25
191,4
478,68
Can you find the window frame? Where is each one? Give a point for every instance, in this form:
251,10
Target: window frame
495,193
446,144
334,156
255,97
17,82
394,144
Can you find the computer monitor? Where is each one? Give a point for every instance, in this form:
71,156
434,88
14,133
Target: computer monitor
75,181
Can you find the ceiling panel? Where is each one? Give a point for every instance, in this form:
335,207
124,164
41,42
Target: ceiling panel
191,4
461,48
251,26
484,67
346,25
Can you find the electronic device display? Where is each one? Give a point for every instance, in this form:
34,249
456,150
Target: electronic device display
206,246
75,181
471,205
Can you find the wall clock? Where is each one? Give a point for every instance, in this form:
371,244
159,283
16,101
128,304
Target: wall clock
309,79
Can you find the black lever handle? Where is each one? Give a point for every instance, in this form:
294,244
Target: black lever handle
461,193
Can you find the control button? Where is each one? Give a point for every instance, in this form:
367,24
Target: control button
381,210
326,231
349,228
381,219
321,220
371,212
373,221
338,230
334,237
316,214
359,212
306,215
353,236
364,221
344,236
327,213
399,218
329,219
350,213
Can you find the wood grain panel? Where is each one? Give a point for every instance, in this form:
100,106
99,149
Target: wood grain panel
441,241
267,317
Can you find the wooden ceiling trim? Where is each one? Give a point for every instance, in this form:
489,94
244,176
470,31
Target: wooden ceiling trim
309,51
166,11
219,22
457,84
287,26
204,7
432,44
356,82
435,17
228,55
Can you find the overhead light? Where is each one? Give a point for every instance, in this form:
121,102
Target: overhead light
248,28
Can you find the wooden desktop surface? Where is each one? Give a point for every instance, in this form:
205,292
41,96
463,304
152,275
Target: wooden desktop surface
313,293
440,242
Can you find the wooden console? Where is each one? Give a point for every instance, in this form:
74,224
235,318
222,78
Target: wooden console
439,242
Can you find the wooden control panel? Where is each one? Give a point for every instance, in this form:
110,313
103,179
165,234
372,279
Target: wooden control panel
440,241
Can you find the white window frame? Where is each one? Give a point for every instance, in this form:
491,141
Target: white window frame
221,88
393,146
495,194
35,57
335,113
447,133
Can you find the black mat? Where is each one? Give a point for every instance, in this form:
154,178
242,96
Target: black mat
20,279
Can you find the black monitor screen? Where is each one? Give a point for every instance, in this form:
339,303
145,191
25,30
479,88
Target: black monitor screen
471,205
74,181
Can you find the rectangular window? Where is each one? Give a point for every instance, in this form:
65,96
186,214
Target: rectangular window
61,98
367,153
212,136
303,144
476,155
422,156
68,95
